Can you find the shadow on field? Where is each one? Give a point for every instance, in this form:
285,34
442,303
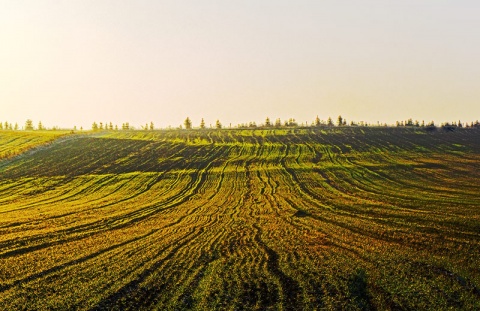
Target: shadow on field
357,286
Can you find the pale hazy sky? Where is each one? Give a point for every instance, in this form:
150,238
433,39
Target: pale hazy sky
69,62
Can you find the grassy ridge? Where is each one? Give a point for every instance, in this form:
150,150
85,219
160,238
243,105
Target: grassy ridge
343,218
15,143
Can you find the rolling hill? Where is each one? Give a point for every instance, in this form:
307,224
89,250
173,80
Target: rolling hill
349,218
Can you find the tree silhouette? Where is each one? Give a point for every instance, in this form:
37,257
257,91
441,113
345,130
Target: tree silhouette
187,123
16,126
291,122
218,125
330,122
267,122
202,124
1,126
317,121
151,126
40,126
340,121
95,126
29,125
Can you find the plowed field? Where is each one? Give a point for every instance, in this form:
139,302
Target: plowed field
277,219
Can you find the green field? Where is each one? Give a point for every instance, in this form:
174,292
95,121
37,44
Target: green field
13,143
354,218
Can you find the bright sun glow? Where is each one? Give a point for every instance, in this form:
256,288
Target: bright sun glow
69,63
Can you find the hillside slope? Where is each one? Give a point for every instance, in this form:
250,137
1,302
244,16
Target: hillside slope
340,218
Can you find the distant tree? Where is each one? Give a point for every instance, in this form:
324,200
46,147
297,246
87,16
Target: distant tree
317,121
409,122
218,125
95,126
252,124
344,122
6,125
152,127
74,127
187,123
330,122
29,125
278,122
110,126
1,126
101,126
339,121
81,128
16,126
125,126
40,126
202,124
267,122
291,122
116,127
10,127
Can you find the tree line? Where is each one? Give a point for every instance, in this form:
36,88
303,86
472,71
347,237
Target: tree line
278,123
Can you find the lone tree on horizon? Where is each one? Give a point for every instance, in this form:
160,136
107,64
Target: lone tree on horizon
188,123
340,121
267,122
330,122
29,125
218,125
278,122
202,124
